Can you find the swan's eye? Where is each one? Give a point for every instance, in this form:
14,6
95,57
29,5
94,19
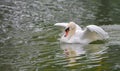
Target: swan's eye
67,29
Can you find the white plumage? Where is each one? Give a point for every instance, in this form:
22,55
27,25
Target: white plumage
73,33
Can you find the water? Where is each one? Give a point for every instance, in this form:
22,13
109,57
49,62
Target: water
29,41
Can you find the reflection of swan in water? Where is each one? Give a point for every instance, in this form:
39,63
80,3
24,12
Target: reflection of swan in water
91,52
72,50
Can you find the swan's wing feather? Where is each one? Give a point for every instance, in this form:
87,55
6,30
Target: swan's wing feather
65,25
61,24
95,32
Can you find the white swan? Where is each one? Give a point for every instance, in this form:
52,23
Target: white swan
73,33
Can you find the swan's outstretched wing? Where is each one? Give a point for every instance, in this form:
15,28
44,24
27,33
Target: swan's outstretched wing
61,24
65,25
94,32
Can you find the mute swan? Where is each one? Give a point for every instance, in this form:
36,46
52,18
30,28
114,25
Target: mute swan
73,33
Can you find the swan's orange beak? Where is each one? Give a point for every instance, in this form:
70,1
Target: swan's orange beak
66,31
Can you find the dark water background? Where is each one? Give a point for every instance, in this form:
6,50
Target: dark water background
28,39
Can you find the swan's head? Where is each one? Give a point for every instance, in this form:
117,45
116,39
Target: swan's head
70,29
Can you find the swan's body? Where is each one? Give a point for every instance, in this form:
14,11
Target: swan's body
74,34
